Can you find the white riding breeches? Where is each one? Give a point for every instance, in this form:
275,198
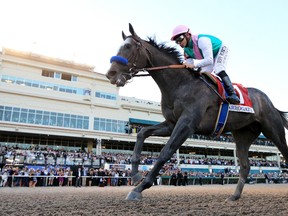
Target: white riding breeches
220,62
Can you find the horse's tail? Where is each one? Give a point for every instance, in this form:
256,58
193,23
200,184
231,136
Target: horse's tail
284,116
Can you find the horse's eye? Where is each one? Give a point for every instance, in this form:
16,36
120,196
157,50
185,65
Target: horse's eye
127,46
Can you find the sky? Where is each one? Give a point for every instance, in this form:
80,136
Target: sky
89,32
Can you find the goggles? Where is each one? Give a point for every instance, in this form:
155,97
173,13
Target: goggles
179,39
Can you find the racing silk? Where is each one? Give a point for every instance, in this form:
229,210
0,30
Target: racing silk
203,49
196,49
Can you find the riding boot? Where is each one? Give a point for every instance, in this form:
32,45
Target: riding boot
232,97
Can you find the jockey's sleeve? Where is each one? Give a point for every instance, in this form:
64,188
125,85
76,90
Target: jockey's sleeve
205,45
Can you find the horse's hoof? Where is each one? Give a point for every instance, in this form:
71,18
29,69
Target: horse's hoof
232,198
136,179
134,196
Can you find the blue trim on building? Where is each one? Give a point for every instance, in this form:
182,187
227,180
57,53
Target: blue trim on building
142,121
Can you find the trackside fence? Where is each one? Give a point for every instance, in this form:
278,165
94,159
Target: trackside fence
20,180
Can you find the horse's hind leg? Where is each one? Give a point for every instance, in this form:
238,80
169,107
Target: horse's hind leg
273,129
243,139
162,129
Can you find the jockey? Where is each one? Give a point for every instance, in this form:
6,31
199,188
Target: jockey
206,52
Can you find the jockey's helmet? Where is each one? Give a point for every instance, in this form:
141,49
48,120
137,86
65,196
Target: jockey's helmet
178,30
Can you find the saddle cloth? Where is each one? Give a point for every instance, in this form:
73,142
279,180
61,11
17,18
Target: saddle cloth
245,104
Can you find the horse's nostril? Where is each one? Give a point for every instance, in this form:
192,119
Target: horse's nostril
111,74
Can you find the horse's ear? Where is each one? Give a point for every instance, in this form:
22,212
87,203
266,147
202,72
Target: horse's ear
124,36
131,29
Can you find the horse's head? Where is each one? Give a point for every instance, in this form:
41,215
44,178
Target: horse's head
131,55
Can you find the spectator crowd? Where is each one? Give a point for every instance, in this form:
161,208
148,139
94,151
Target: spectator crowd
32,173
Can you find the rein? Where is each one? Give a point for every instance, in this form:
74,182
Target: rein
135,71
176,67
223,99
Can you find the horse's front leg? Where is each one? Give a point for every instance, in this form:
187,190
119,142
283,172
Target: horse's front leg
162,129
178,137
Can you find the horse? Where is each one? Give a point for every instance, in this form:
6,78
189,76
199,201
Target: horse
189,107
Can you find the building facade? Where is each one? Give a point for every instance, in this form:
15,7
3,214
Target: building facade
52,102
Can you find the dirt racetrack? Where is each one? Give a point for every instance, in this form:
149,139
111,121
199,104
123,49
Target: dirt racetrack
258,199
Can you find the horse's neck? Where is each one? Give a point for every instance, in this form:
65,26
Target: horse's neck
169,80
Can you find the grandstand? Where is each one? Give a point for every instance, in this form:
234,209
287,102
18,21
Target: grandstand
51,103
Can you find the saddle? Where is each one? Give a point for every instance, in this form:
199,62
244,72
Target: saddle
245,104
240,90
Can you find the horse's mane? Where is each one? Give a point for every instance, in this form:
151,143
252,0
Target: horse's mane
162,47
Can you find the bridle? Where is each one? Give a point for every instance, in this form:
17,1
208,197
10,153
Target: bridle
133,70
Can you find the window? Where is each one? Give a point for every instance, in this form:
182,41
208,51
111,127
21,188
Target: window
66,76
73,121
40,117
57,75
31,116
28,83
66,120
42,85
52,119
87,92
69,90
15,114
35,85
80,122
60,120
108,125
1,112
46,118
49,87
86,122
74,78
7,113
102,124
104,95
62,88
47,73
24,115
46,85
7,79
114,125
20,82
96,124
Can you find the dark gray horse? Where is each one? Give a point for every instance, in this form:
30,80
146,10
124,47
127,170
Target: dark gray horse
189,107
